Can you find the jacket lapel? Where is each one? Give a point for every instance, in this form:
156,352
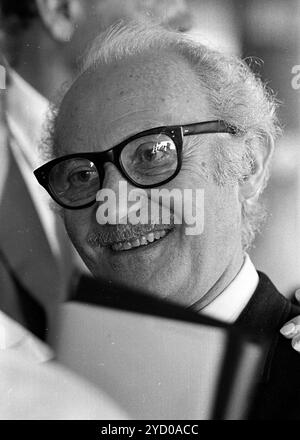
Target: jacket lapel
22,238
263,317
266,311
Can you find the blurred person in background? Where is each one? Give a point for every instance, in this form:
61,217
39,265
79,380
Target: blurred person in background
151,108
40,43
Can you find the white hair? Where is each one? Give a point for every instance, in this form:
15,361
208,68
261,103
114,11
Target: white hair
235,95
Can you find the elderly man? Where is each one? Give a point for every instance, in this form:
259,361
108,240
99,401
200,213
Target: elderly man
153,109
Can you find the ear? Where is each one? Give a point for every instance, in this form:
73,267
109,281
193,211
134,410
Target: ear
57,16
252,184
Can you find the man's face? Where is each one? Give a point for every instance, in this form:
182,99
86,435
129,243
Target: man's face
104,108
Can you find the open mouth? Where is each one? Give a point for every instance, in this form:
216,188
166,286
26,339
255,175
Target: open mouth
143,240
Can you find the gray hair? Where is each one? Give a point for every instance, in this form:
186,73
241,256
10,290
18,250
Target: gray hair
235,94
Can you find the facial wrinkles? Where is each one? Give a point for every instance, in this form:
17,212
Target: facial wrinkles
195,157
148,97
129,117
135,116
121,128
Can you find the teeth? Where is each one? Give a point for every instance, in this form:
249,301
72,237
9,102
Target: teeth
135,243
150,237
142,241
117,246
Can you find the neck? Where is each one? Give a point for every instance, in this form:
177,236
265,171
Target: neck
224,280
40,61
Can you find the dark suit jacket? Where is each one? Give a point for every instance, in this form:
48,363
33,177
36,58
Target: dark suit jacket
278,396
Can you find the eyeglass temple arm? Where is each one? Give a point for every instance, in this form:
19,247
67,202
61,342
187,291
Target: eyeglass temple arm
208,127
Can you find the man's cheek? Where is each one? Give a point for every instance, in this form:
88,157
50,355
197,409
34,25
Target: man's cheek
77,228
193,211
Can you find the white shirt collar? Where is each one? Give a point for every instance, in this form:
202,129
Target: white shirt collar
231,302
13,336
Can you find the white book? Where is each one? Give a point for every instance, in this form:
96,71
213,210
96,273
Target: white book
159,367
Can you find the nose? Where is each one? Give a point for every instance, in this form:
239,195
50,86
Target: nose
112,177
115,205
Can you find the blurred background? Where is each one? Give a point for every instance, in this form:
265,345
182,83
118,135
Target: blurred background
265,30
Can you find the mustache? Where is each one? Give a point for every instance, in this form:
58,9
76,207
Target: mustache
110,234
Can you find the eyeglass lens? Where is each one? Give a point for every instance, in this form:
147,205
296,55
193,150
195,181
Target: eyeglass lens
148,160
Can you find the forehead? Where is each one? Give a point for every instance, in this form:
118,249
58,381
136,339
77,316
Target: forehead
105,106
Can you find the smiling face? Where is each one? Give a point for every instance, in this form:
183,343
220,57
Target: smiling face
107,106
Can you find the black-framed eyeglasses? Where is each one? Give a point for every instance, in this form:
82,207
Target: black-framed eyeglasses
147,160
